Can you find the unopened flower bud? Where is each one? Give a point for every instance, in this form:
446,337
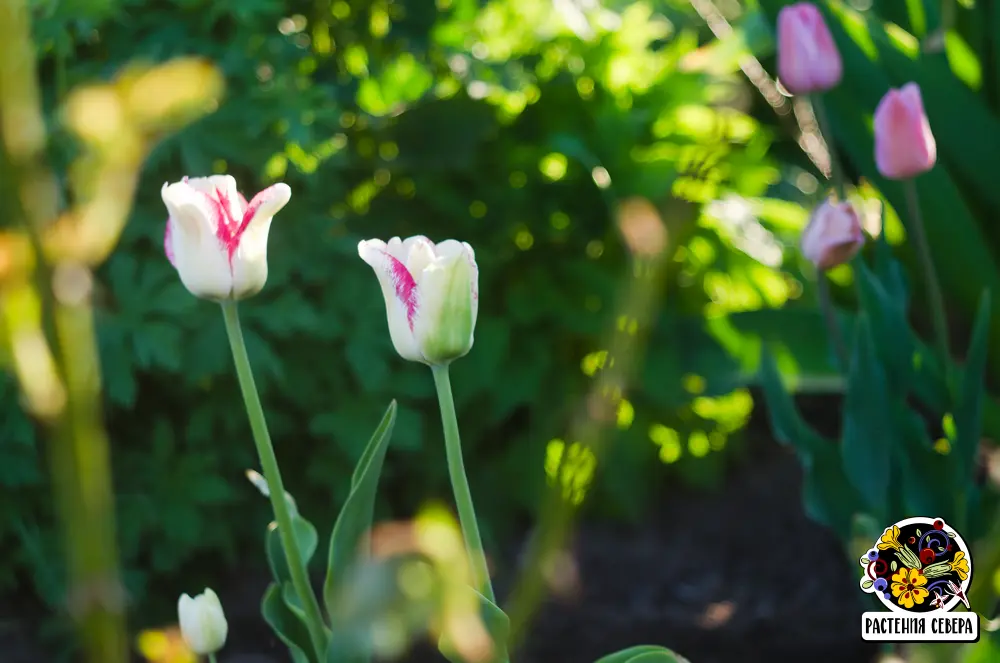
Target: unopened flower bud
833,235
808,59
904,144
203,624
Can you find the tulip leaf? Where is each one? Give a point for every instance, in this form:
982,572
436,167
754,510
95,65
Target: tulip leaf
787,424
890,272
969,407
665,656
868,431
827,495
355,519
305,535
917,460
643,653
289,628
889,326
497,625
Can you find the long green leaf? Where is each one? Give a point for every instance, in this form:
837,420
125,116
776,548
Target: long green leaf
290,629
890,329
868,431
355,519
305,535
969,409
787,424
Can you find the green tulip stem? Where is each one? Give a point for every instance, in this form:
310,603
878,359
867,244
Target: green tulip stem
269,465
460,483
919,234
830,318
211,658
836,170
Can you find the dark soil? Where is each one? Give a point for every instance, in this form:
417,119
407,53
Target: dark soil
738,575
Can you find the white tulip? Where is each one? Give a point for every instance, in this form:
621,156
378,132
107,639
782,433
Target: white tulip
203,624
431,295
215,239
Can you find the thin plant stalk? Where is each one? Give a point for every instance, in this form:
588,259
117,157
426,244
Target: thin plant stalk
830,318
269,466
460,483
917,231
211,658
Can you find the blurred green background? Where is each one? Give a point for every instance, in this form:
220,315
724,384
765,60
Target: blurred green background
517,126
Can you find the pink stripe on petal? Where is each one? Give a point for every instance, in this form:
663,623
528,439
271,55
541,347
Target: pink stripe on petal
404,285
166,245
225,225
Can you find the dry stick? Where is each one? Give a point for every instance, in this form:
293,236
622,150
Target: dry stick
588,431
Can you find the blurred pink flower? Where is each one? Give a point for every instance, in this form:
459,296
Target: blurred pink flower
808,60
833,235
904,144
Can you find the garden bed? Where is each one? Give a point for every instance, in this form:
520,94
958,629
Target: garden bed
737,575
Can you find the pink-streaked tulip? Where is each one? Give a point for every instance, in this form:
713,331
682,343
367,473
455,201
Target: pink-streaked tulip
215,239
431,295
808,60
904,144
833,235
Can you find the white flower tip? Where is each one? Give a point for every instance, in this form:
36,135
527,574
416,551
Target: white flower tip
259,482
281,193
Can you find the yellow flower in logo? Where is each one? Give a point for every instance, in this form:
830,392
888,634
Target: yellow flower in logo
908,587
960,565
890,539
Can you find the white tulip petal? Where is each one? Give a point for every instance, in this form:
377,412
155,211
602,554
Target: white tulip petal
445,323
250,260
203,622
223,189
419,255
399,289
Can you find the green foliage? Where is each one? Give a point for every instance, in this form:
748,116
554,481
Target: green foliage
643,654
956,196
349,543
282,607
497,124
868,432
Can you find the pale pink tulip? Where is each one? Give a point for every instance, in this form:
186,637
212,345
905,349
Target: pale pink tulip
904,144
808,60
833,235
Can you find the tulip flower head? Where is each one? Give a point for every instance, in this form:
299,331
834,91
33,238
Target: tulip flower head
431,295
833,235
203,624
904,144
215,239
808,59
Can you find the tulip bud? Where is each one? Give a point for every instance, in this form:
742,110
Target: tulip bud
203,624
215,239
904,144
431,295
833,235
808,60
